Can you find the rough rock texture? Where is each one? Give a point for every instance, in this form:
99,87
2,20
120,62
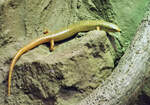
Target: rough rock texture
43,77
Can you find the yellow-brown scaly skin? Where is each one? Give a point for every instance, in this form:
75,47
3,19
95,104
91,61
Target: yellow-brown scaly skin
61,35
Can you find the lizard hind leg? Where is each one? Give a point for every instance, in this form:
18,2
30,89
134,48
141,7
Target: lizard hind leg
51,44
46,32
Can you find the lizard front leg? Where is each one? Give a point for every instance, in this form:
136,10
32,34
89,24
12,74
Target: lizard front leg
98,28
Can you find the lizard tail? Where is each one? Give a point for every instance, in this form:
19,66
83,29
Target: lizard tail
18,54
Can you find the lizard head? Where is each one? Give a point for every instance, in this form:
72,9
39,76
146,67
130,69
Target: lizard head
110,27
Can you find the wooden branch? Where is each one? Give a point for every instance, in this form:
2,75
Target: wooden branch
124,83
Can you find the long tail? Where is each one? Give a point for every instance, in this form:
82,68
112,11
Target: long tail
19,53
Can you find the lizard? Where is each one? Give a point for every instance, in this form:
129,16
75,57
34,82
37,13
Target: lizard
60,35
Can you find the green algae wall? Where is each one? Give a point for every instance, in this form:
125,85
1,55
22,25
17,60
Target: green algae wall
129,14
